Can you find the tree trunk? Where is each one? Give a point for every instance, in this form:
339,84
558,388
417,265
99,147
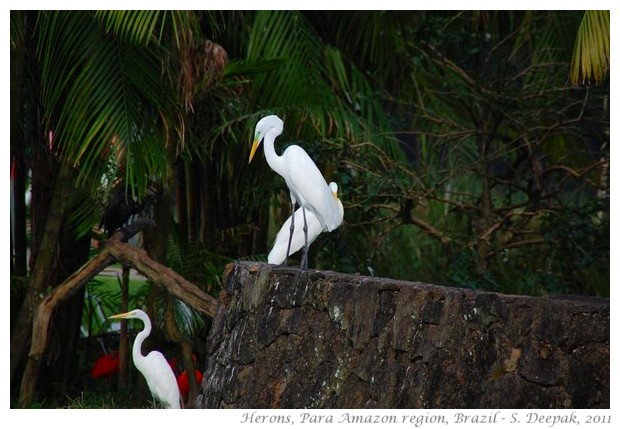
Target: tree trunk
19,66
123,345
19,215
43,317
208,202
156,246
289,338
180,200
60,367
39,280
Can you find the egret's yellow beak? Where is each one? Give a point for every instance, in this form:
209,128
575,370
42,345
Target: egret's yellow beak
335,194
254,147
119,316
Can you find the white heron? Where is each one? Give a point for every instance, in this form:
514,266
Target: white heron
305,182
154,366
277,255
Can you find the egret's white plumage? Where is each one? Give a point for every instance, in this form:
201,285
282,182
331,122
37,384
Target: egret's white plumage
154,367
305,182
277,255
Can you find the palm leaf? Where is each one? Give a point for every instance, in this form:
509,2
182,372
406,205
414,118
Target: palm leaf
136,26
99,94
316,86
592,48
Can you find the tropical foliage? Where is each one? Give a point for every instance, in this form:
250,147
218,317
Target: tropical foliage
471,148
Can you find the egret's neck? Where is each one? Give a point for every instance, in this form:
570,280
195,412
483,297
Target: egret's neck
137,344
275,161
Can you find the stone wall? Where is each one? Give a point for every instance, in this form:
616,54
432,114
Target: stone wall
288,338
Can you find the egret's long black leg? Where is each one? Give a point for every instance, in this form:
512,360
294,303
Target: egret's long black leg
290,237
304,257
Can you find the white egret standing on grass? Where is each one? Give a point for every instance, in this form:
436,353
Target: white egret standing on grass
277,255
154,366
305,182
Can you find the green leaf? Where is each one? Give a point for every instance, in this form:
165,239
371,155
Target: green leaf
592,48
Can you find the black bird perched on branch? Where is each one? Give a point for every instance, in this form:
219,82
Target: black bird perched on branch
119,209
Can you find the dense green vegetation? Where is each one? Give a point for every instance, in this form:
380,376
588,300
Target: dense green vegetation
471,148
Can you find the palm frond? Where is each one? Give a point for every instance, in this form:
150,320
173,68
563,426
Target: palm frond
316,87
136,26
18,28
95,102
592,48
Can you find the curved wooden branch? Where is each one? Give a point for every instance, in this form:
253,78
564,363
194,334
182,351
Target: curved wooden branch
164,277
43,316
